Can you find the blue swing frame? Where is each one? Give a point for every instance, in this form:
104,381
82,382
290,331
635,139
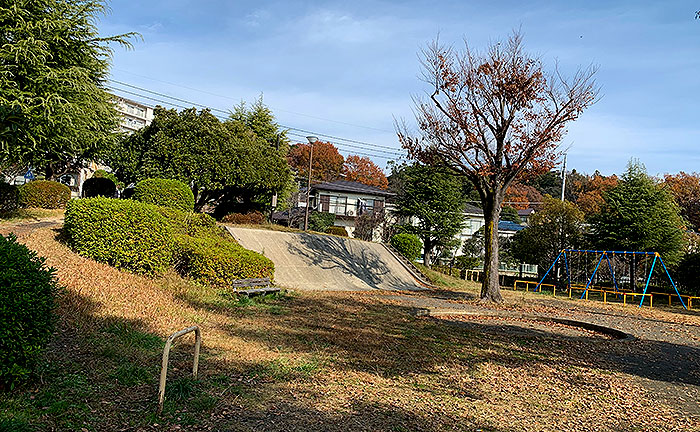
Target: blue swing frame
606,254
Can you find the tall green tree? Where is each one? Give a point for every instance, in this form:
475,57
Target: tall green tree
639,215
556,226
434,199
54,109
226,163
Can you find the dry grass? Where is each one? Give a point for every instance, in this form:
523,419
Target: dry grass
312,361
30,215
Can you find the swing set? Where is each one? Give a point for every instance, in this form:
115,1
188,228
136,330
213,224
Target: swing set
571,257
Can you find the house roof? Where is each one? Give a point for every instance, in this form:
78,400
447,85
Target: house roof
526,212
472,209
351,187
509,226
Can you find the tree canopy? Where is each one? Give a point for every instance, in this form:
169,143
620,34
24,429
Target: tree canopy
557,225
492,118
435,199
54,109
639,215
327,162
225,163
363,170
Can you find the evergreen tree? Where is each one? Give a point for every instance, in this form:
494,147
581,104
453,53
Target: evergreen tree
54,109
639,215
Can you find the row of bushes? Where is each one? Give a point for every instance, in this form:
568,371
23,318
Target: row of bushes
39,193
148,239
54,195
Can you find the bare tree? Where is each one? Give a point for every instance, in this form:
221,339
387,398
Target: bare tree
494,117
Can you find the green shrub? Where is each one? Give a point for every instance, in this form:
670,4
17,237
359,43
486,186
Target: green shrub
44,194
9,198
337,230
190,223
99,186
123,233
217,262
166,193
408,245
321,221
100,173
251,218
27,290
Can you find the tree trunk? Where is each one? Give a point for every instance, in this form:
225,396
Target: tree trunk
427,254
490,288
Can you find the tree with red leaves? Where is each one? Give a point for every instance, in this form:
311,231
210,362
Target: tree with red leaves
326,165
523,195
493,117
363,170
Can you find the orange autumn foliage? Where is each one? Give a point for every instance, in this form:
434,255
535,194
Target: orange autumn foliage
685,189
326,165
520,193
592,197
363,170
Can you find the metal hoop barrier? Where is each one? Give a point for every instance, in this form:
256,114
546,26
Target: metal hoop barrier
166,355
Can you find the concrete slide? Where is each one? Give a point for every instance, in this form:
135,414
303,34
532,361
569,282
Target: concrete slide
318,262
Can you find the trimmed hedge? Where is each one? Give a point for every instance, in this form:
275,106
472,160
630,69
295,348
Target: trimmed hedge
408,245
251,218
337,230
44,194
9,198
123,233
166,193
27,291
99,186
218,262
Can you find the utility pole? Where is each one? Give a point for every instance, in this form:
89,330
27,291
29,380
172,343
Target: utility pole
312,140
563,178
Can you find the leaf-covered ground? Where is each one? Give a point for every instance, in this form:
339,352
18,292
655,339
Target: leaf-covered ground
345,361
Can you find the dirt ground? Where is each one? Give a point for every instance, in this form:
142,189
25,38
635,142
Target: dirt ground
346,361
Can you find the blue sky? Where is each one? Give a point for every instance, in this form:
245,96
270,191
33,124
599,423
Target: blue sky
347,69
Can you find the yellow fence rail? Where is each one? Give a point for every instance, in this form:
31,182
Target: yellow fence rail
604,293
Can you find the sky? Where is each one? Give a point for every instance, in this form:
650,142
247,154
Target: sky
349,69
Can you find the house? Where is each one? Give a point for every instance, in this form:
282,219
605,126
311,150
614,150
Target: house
347,200
508,229
525,215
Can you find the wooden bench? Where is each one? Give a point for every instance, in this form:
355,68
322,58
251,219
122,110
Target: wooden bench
245,287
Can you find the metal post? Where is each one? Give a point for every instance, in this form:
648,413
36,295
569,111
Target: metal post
648,280
550,269
673,283
312,140
585,292
166,355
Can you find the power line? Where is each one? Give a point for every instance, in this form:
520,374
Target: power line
237,100
295,134
371,145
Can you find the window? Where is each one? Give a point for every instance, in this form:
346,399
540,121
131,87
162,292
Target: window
338,205
333,204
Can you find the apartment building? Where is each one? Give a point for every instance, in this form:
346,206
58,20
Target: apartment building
135,115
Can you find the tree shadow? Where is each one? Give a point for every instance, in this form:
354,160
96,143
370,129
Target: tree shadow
334,253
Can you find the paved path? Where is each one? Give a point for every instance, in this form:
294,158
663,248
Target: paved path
320,262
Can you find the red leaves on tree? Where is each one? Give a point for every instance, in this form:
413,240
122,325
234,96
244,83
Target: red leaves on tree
685,189
363,170
520,193
326,165
592,197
